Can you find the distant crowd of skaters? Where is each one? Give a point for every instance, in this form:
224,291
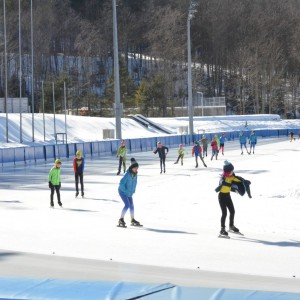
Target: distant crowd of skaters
229,181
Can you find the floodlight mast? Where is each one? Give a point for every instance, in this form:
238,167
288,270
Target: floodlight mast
191,12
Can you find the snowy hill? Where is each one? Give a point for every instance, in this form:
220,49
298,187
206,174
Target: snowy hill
80,128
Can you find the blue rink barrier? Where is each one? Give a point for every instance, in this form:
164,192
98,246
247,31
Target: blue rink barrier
110,147
25,289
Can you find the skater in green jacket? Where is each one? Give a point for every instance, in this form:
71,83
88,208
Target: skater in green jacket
55,182
122,151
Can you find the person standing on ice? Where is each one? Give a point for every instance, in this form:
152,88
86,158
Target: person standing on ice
214,148
222,143
55,182
204,142
225,201
197,152
78,166
218,141
121,153
180,155
162,153
252,141
243,141
126,190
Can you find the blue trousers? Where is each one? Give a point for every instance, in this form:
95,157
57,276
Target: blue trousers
128,203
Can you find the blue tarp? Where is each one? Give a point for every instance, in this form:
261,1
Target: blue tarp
23,288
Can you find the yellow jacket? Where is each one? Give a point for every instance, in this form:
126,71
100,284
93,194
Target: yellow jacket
227,182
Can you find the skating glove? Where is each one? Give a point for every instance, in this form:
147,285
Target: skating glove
50,185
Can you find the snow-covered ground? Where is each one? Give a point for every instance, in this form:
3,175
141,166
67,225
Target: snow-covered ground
179,209
80,129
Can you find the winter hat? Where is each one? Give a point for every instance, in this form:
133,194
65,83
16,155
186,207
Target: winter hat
57,161
180,146
134,163
158,143
196,143
228,166
123,143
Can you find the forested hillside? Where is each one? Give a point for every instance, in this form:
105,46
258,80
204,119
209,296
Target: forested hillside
245,50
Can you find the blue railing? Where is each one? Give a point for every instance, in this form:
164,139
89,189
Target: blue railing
110,147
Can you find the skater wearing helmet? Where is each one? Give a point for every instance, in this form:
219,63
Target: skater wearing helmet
162,153
225,201
78,166
126,190
55,182
180,155
121,153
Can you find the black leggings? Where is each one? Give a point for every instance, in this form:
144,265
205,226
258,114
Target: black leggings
79,176
162,163
55,188
226,202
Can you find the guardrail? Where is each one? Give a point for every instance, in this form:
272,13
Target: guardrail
110,147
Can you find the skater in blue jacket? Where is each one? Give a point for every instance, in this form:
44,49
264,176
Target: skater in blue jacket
243,141
126,190
222,143
252,141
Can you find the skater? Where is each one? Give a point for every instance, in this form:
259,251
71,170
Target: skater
180,155
243,141
121,153
292,136
222,143
218,141
214,148
197,152
126,189
78,165
225,201
252,141
162,153
204,142
55,182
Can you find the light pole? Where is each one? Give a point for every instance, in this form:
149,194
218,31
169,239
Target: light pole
32,95
201,101
191,12
118,106
5,70
20,73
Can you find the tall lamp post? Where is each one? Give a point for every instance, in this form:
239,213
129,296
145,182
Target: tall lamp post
191,12
118,106
32,90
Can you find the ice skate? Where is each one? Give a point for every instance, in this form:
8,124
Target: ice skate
60,204
82,194
118,173
223,233
121,223
76,195
135,223
235,230
51,205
